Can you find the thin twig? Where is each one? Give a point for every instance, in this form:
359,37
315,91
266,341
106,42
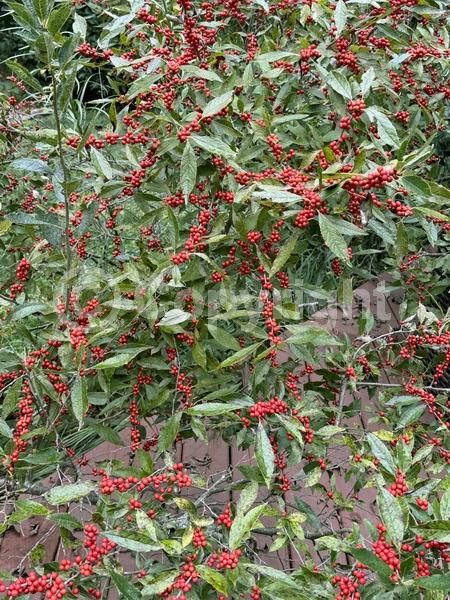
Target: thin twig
270,531
7,299
212,489
399,385
65,182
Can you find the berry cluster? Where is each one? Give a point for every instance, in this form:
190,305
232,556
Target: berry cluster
274,143
23,269
225,518
224,560
348,586
384,550
163,484
399,487
22,427
199,539
265,408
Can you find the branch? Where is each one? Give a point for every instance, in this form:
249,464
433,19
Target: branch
7,299
64,186
271,531
211,490
399,385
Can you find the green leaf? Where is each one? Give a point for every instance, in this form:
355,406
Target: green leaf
386,130
113,362
22,15
145,461
131,544
416,185
144,522
199,354
122,358
276,194
58,17
63,494
28,219
172,547
159,584
402,240
272,573
372,561
439,190
434,582
11,399
194,71
101,165
380,452
434,530
422,453
174,317
217,408
411,415
143,84
340,16
5,226
345,293
65,89
345,227
5,430
188,170
444,505
276,55
284,254
25,509
433,214
105,433
243,524
264,455
337,81
24,75
222,337
331,543
41,7
127,590
367,80
238,356
333,238
401,400
79,400
175,230
391,515
212,145
33,165
79,25
293,427
25,310
217,104
263,5
311,334
247,497
214,578
66,521
169,432
329,430
313,477
42,136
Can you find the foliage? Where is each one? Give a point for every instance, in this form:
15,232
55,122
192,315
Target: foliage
164,247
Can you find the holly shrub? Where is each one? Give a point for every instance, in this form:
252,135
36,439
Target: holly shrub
185,185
